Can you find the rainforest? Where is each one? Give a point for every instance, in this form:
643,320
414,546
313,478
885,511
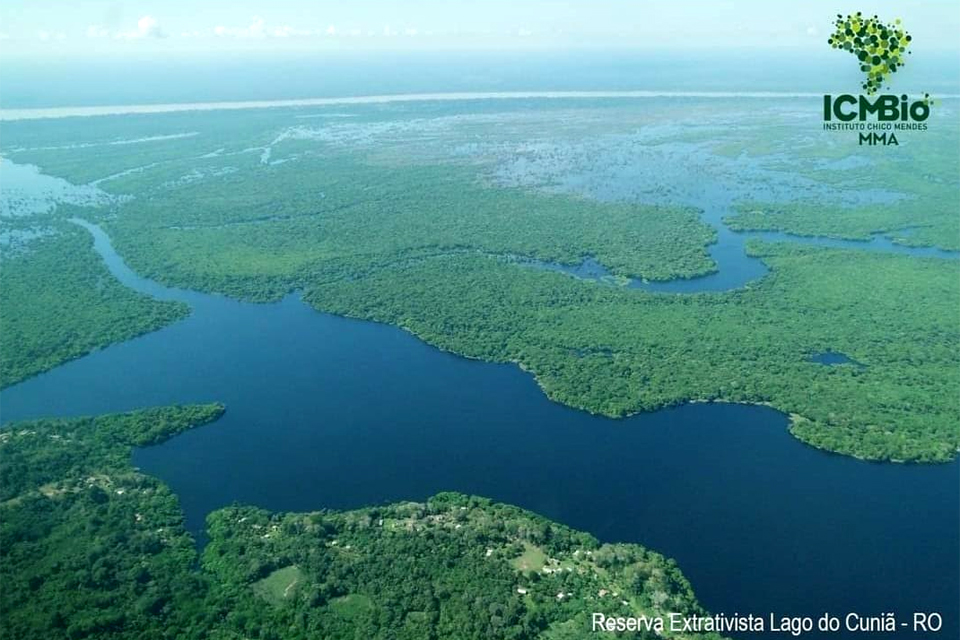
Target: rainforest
259,364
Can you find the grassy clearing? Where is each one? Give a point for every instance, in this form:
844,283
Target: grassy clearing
532,560
279,586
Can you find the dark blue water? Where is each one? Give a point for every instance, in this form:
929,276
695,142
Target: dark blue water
833,358
331,412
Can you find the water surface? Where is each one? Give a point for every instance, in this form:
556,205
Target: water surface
326,412
834,358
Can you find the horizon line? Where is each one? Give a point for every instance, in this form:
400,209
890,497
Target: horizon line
39,113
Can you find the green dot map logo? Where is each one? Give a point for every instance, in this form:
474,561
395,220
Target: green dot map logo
880,48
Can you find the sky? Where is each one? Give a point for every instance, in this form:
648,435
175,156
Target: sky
111,28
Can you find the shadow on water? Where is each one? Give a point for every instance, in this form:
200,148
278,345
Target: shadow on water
327,412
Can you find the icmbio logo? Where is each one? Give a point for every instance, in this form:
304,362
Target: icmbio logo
880,49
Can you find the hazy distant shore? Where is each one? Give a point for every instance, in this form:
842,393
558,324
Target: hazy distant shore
66,112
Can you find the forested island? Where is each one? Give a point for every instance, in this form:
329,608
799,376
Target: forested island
90,547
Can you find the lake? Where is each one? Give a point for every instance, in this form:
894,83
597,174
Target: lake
327,412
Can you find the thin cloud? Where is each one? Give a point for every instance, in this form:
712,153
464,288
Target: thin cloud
286,31
147,27
256,29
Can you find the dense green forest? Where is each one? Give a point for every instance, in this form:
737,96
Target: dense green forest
58,302
91,548
415,215
615,351
340,217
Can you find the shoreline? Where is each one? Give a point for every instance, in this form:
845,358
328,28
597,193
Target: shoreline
791,416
